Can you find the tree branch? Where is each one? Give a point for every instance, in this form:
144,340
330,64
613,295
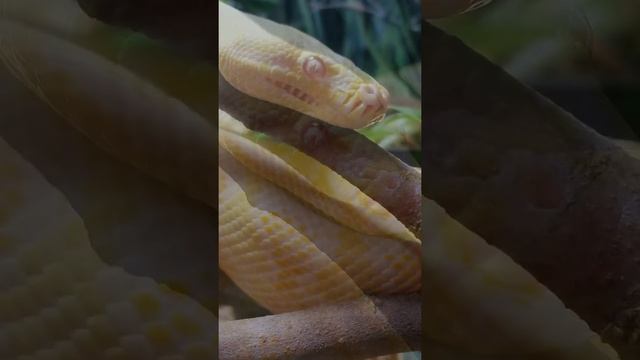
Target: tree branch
560,199
351,330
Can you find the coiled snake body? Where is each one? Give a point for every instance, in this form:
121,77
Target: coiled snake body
329,241
293,232
165,131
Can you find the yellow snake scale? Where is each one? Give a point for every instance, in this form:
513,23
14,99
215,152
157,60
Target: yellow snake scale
293,233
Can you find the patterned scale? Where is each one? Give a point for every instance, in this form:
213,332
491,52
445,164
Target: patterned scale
60,301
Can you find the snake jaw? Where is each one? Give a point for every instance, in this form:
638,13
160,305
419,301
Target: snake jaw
371,99
334,97
292,91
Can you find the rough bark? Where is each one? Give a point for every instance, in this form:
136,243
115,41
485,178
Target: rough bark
560,199
351,330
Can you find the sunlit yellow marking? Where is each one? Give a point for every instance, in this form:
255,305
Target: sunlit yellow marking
268,229
316,183
324,274
319,175
298,271
286,283
285,260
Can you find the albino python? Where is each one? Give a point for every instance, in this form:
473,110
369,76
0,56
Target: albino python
293,232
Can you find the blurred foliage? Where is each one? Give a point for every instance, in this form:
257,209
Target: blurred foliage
381,37
534,38
400,130
584,46
405,121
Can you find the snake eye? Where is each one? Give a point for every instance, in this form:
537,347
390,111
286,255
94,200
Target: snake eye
314,67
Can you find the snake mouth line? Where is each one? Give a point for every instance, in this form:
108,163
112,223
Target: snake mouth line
350,105
293,91
356,106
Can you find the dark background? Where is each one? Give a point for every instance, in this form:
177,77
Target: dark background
583,54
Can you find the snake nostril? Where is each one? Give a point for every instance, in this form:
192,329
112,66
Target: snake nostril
369,94
369,89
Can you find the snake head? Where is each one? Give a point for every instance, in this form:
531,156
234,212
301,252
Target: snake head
284,66
344,95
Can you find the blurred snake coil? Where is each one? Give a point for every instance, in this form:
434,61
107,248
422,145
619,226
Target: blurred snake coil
293,233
